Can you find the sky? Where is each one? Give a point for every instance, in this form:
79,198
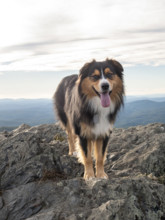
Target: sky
42,41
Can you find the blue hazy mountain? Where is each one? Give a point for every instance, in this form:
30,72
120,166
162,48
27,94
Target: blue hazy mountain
40,111
141,112
160,98
29,111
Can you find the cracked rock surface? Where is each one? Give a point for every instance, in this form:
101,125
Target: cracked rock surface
40,181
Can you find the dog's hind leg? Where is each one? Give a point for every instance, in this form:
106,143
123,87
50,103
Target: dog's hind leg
85,157
71,140
72,143
100,155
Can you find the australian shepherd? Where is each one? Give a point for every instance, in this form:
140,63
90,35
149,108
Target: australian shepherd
86,105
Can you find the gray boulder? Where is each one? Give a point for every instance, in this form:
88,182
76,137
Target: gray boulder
39,181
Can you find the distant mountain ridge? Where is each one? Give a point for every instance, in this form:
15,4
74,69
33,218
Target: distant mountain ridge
144,98
141,113
29,111
40,111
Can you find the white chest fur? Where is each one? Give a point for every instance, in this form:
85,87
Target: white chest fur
102,126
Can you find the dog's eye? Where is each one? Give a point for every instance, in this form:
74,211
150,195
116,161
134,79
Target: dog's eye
95,77
109,75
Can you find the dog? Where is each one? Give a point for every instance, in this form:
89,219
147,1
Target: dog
87,105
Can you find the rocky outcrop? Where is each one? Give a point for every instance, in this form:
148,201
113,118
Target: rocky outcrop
39,181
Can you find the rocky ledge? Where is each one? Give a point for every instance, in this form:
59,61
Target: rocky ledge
39,181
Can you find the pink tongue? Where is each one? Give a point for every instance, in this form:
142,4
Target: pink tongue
105,99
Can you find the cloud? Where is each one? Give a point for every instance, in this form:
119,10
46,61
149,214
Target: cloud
61,35
37,45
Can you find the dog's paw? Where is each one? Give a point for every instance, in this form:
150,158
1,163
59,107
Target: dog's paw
102,175
89,175
75,154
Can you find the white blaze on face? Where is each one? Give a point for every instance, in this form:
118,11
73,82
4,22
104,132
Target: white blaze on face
104,96
103,81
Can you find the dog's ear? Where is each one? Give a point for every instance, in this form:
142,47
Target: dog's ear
85,69
118,67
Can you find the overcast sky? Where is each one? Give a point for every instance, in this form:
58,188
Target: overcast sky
40,37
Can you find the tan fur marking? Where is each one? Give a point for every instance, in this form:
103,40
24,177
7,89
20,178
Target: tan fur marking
96,72
87,87
100,158
87,161
85,130
107,70
71,139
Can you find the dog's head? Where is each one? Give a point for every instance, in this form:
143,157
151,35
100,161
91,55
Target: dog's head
102,79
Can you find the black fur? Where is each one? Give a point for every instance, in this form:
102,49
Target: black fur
65,86
83,144
105,142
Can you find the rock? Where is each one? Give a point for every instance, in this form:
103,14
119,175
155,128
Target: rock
21,128
1,203
38,180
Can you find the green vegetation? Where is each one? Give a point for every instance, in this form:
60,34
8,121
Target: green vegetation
59,137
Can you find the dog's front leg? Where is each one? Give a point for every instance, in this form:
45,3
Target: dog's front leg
100,154
86,157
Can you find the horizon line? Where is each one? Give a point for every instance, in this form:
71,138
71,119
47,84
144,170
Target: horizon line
161,95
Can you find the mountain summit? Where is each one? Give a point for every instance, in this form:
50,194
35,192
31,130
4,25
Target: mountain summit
39,180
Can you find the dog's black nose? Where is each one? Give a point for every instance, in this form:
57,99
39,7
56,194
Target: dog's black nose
105,87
